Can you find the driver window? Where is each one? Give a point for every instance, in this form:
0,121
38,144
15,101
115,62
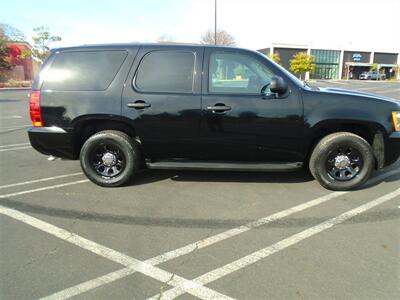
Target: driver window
234,73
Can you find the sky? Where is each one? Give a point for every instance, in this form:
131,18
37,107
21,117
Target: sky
255,24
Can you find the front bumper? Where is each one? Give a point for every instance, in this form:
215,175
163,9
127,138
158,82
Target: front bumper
392,148
53,141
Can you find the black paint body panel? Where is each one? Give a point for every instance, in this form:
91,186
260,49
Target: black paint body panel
178,125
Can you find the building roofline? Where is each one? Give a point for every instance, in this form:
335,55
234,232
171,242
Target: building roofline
292,46
338,48
20,42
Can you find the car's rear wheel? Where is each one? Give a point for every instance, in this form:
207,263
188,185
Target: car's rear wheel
109,158
342,161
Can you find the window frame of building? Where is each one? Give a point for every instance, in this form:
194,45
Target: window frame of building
327,64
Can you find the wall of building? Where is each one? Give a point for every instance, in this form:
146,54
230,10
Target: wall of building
24,69
286,54
385,58
265,51
331,64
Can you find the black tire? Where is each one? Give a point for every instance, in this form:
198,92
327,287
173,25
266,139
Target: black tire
325,161
121,150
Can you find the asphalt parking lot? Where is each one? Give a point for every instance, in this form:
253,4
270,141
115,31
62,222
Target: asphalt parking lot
186,235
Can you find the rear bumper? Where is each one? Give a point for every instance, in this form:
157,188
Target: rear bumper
392,148
53,141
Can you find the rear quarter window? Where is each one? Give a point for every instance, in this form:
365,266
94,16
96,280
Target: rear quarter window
83,70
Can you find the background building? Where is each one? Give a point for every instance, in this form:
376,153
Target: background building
24,69
338,63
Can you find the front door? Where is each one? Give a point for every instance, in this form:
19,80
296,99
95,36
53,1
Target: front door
241,124
162,98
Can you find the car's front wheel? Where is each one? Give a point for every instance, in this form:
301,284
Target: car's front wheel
109,158
342,161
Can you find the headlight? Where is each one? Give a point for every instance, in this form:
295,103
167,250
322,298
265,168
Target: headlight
396,120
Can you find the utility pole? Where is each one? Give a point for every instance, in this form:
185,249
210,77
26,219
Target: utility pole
215,22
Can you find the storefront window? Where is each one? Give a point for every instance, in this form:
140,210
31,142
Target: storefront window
327,64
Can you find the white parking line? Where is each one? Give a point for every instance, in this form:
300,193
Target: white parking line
16,127
50,187
90,285
337,82
39,180
14,145
16,148
389,91
108,278
365,88
274,248
115,256
10,117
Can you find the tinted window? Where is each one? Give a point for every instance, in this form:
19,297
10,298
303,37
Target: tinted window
83,71
166,71
237,74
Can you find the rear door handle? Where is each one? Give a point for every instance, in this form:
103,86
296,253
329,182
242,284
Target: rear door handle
218,108
139,104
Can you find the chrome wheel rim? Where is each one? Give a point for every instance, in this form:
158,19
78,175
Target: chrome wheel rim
107,160
344,163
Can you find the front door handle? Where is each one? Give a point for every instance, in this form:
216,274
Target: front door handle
218,108
139,104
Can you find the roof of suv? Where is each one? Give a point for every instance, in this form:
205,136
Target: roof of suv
152,45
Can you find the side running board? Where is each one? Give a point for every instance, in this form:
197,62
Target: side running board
224,165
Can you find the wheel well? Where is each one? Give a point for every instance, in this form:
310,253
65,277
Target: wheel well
371,134
86,128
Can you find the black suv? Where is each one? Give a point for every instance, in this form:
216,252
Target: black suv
121,108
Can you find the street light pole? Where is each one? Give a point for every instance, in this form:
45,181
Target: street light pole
215,22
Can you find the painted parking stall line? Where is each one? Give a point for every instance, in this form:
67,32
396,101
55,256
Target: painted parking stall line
14,145
10,117
113,276
115,256
277,247
46,188
39,180
16,148
16,127
365,88
90,285
390,91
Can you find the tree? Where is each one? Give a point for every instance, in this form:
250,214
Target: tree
223,38
165,39
41,42
11,34
302,63
275,57
374,67
4,54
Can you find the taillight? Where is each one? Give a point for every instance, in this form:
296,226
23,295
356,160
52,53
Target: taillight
34,108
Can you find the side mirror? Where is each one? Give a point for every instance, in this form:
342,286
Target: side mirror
278,86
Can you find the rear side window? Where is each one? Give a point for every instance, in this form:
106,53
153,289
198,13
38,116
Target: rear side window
83,71
166,71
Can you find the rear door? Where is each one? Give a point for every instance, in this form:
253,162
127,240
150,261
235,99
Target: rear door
162,98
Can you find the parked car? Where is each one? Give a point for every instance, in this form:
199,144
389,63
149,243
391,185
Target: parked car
372,75
121,108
